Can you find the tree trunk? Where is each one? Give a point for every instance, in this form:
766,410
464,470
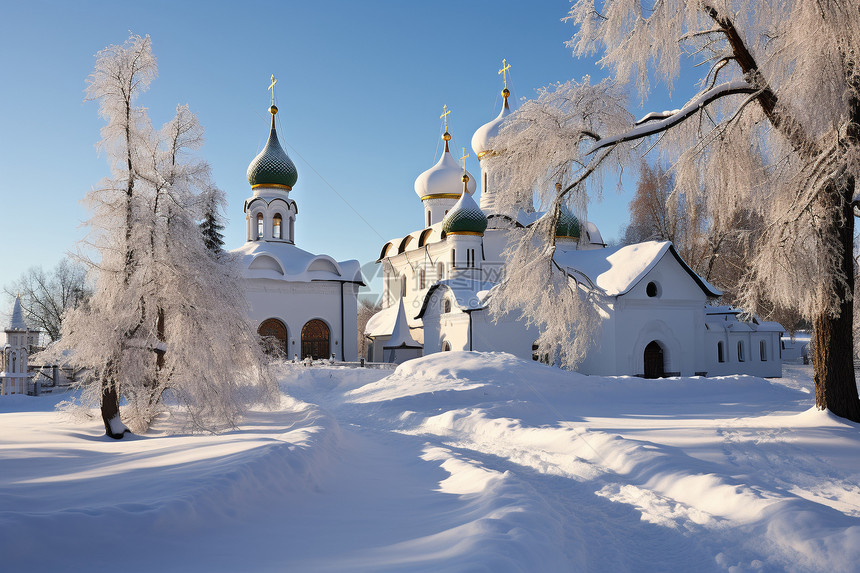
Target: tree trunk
114,428
833,358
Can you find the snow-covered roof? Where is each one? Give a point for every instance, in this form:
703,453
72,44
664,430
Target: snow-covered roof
725,317
414,240
616,270
400,334
468,294
383,322
722,309
16,322
287,262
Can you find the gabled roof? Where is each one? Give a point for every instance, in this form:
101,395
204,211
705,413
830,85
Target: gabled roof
469,295
616,270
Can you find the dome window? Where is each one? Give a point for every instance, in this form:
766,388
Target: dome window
277,221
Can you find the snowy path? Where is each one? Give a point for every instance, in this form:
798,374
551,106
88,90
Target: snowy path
453,463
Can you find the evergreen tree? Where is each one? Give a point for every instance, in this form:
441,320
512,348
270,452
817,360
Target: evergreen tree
211,225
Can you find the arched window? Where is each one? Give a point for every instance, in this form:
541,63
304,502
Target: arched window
740,350
446,305
440,271
446,346
721,357
259,225
428,217
421,278
274,334
762,348
316,341
277,233
485,181
403,285
453,258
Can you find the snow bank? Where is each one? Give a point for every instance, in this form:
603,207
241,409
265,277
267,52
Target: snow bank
454,462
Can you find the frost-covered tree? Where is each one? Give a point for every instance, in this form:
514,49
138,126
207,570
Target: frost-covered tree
45,295
774,129
166,324
366,309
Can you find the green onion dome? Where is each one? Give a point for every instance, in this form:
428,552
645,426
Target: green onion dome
272,167
465,217
568,224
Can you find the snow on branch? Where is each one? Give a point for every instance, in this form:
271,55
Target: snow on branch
659,122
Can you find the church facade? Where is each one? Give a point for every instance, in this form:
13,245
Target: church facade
304,305
655,310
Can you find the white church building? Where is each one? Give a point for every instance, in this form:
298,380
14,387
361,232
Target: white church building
304,304
657,320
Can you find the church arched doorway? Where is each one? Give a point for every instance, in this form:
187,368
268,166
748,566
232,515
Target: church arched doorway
274,334
654,365
316,339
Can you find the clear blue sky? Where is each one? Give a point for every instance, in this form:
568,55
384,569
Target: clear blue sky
361,86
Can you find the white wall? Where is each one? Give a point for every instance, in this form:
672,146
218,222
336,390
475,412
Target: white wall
295,303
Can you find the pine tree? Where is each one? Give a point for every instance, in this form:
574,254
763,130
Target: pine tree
211,225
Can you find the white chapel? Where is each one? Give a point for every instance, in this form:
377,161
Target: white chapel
657,317
305,305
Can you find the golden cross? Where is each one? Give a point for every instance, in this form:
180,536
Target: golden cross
504,71
445,115
463,159
272,87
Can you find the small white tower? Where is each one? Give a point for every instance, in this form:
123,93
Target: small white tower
482,147
13,370
270,214
464,228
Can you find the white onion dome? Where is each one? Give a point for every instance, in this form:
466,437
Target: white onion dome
482,137
442,181
272,167
465,217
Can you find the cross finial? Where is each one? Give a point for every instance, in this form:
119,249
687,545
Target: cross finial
272,87
444,115
463,159
504,71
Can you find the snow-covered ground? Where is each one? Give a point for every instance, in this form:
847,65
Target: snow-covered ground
455,462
